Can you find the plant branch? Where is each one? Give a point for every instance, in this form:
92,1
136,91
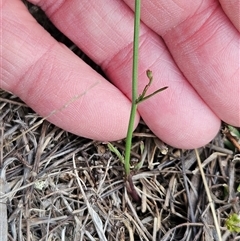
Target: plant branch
134,87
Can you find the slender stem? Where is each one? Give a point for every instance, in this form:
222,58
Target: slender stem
134,87
211,203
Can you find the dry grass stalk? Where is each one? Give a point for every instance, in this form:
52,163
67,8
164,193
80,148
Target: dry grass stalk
211,203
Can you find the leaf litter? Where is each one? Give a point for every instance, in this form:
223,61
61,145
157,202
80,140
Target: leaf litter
58,186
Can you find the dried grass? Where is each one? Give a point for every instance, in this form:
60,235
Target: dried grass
58,186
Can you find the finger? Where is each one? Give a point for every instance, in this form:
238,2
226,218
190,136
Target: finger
205,46
232,10
48,76
178,115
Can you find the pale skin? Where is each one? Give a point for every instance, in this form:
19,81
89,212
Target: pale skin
192,46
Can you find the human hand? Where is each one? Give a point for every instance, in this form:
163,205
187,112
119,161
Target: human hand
197,57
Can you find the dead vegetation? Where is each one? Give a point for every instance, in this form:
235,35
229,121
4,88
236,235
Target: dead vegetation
58,186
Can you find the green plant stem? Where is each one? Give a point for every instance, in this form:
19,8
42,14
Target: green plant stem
134,87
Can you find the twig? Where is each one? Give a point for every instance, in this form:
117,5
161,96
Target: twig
3,206
3,212
95,217
167,235
188,196
135,219
209,197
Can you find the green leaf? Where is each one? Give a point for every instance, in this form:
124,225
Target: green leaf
149,96
141,147
233,223
115,151
229,144
234,132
